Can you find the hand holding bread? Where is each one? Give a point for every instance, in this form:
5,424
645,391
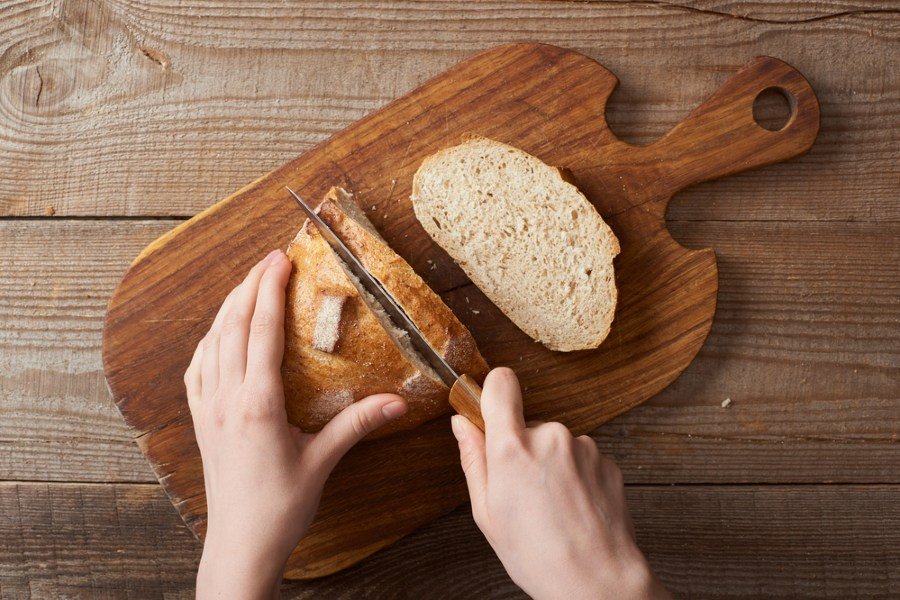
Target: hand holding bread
263,477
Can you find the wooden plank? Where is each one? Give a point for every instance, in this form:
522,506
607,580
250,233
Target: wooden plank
803,343
173,108
704,541
87,541
778,11
58,422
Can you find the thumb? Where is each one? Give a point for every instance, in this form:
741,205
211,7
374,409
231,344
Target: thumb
472,458
353,424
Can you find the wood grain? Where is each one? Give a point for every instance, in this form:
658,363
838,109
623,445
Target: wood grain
779,12
150,108
532,96
808,366
118,81
57,421
85,541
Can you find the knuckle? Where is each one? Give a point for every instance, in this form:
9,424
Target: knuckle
257,402
361,422
611,471
233,322
468,459
262,323
467,462
588,443
557,433
509,447
558,428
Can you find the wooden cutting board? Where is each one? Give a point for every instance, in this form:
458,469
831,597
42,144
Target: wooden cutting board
545,100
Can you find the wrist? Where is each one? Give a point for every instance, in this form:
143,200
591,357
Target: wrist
634,579
624,576
641,582
238,570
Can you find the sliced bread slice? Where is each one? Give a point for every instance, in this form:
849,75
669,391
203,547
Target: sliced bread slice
525,236
340,346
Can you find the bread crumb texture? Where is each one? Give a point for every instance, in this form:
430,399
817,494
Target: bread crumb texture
328,322
529,239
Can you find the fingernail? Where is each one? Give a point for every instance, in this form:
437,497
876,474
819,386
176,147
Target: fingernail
456,425
394,409
270,256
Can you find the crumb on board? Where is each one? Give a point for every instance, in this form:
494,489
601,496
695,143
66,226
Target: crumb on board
476,312
467,299
50,211
726,402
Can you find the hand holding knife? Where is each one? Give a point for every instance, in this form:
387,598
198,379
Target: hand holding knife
465,393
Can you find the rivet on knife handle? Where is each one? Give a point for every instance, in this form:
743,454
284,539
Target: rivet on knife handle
463,402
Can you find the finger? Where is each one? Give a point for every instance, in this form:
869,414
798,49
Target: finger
501,404
209,363
353,424
236,326
588,443
265,348
473,461
588,457
629,525
193,381
613,484
194,386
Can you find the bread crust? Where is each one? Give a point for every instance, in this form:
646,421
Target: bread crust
366,359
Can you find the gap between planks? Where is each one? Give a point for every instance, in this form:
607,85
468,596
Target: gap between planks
176,219
761,484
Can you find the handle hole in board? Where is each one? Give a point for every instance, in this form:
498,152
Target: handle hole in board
773,108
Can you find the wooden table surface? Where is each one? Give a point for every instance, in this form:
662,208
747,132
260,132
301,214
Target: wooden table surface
121,118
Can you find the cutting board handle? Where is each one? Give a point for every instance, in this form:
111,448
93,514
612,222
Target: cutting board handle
721,137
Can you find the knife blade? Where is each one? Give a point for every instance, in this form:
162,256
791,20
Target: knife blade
465,393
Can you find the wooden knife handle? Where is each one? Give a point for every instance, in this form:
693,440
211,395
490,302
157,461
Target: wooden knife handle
463,403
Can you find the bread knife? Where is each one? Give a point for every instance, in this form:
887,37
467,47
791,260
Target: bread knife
465,393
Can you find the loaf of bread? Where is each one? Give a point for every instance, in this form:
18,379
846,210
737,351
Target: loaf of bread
340,346
525,236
